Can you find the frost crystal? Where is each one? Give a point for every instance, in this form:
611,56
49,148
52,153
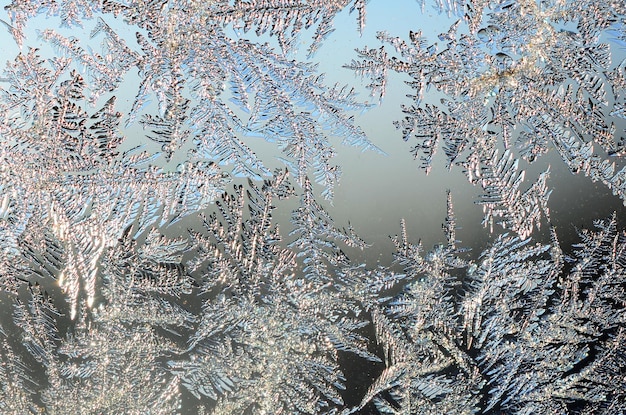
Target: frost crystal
145,267
525,77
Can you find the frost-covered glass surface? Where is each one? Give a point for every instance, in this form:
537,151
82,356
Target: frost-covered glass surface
216,207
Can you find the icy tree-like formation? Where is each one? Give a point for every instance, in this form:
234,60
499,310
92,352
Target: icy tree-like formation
54,141
522,77
149,274
525,329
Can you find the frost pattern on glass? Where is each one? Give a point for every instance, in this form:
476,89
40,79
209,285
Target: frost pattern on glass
150,274
523,77
525,329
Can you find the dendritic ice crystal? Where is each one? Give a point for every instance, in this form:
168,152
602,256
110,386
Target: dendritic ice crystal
144,268
529,76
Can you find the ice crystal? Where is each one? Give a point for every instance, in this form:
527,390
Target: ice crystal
257,306
523,330
179,58
144,265
525,77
